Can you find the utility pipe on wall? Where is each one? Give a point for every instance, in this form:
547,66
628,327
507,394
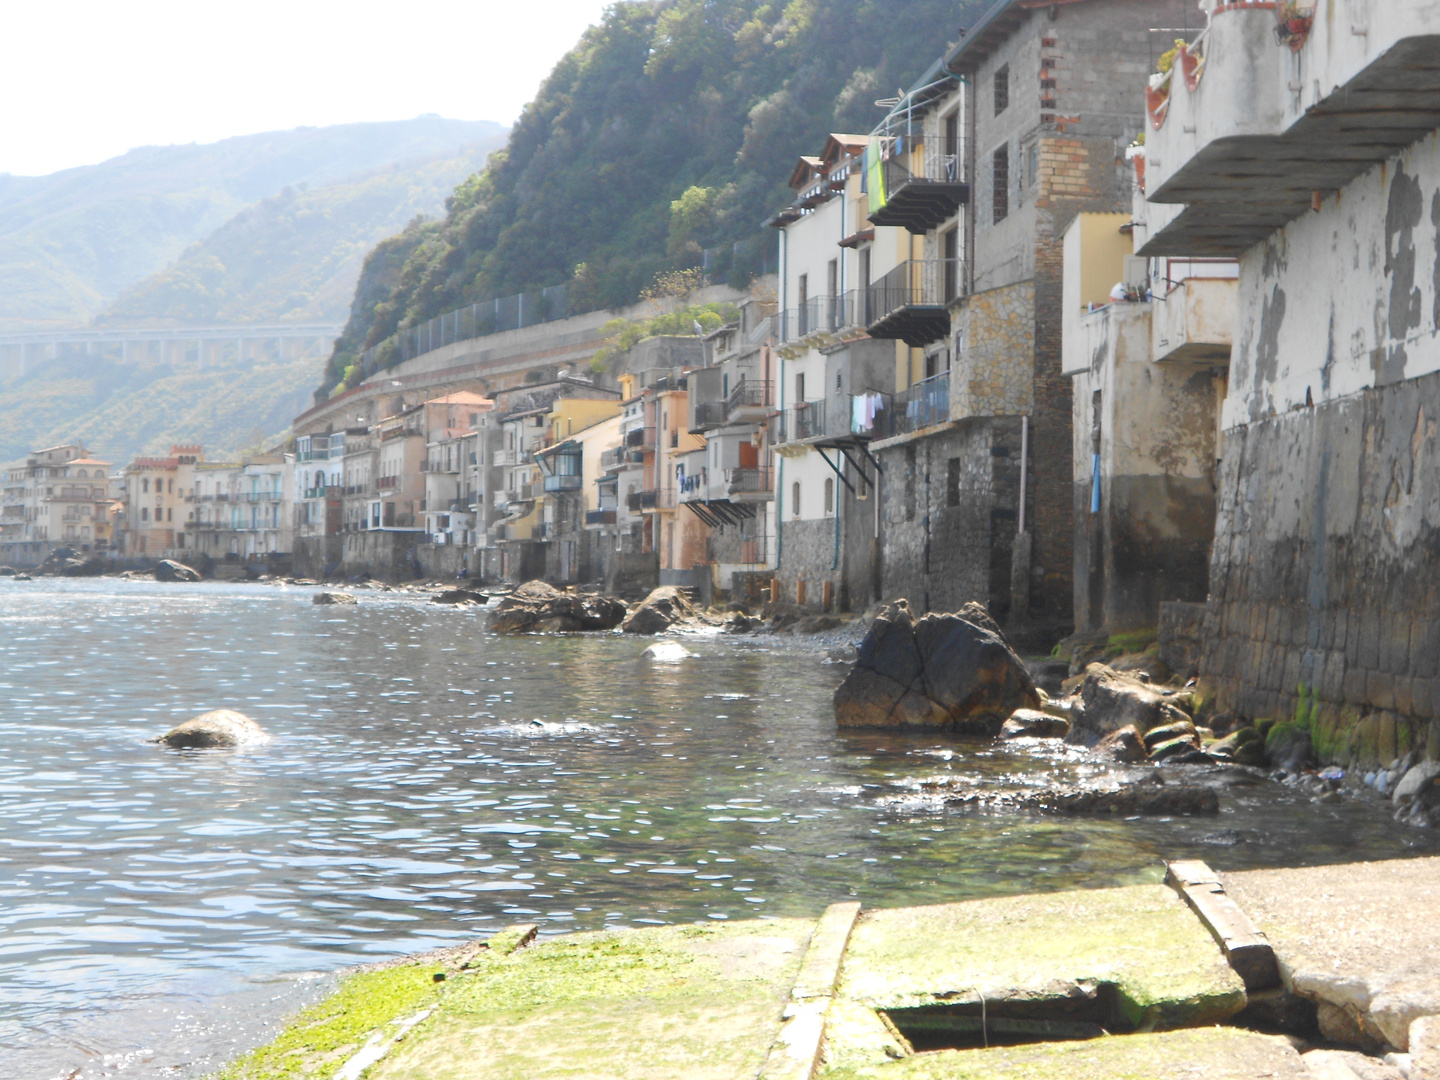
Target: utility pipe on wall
1024,465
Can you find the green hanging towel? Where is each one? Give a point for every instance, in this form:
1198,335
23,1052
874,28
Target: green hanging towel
875,174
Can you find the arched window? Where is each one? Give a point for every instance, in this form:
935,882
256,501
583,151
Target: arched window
795,499
81,474
829,495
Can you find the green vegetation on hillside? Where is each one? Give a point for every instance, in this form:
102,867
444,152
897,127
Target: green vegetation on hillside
668,130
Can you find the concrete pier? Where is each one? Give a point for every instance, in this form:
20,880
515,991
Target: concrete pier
1123,982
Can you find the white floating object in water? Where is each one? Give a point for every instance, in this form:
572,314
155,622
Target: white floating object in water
667,652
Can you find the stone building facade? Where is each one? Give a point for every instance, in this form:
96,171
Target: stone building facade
1324,604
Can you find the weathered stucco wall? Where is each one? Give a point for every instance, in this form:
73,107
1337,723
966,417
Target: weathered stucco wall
1153,426
1344,299
1324,599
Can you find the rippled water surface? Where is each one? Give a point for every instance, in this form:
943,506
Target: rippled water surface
429,783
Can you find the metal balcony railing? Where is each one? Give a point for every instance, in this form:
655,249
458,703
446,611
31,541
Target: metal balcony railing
910,302
604,516
710,414
818,315
641,438
750,481
554,484
749,394
920,191
614,458
925,404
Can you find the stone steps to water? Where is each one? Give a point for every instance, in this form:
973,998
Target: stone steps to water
1154,980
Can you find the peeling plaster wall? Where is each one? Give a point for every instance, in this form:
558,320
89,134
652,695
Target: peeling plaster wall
1153,426
1324,598
1345,299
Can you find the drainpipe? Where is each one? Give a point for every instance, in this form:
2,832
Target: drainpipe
1024,465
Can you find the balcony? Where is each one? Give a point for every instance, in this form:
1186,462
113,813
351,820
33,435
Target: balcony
388,483
559,484
651,499
750,485
505,458
614,459
806,421
819,315
919,191
640,439
709,414
925,404
749,401
1194,321
604,516
910,303
1245,141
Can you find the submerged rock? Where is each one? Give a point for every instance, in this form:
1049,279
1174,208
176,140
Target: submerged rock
459,596
218,728
332,598
942,671
666,652
170,570
1110,701
1030,724
1124,746
537,607
662,609
1149,796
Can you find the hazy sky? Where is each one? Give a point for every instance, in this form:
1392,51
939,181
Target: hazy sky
85,80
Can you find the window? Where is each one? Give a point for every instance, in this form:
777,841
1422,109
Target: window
1000,180
725,385
832,278
829,495
145,486
952,482
952,144
1002,89
800,388
144,513
172,487
1034,164
795,499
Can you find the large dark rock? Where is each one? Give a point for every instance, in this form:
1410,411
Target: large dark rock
1151,795
1110,701
332,598
941,671
459,596
536,607
1242,746
1288,747
170,570
64,562
218,728
662,609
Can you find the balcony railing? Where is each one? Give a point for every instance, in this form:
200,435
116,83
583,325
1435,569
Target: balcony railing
604,516
910,302
388,483
555,484
710,414
641,438
750,481
920,191
749,395
925,404
613,459
819,315
651,499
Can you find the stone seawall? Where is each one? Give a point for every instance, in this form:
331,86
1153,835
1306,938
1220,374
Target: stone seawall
1324,603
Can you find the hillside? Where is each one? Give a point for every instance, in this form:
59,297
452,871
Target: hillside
72,242
120,412
296,255
669,129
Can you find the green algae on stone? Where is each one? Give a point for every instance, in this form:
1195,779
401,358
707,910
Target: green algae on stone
1141,939
321,1037
1215,1053
693,1001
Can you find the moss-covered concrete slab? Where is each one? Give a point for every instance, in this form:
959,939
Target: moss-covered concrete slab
1202,1053
1362,939
685,1001
1143,940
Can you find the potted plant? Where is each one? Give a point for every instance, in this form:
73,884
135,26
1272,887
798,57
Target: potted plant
1293,21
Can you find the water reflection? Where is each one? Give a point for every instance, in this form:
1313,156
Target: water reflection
429,782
